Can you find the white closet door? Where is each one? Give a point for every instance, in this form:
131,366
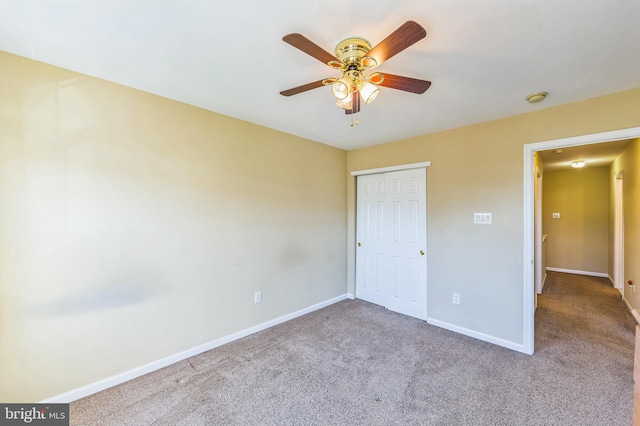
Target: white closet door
391,262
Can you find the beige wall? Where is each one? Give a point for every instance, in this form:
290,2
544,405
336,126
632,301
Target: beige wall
579,239
133,227
479,168
627,163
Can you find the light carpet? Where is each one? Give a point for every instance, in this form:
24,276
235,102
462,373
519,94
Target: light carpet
354,363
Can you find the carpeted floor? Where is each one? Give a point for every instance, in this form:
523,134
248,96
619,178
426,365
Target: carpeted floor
354,363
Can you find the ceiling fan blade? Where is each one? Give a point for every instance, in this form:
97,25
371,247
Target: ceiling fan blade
303,88
407,34
307,46
355,104
407,84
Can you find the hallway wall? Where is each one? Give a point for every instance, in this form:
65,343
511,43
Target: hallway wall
579,239
628,162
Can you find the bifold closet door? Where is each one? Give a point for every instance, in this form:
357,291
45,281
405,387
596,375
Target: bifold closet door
391,261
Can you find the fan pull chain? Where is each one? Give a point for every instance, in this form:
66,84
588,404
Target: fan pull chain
354,123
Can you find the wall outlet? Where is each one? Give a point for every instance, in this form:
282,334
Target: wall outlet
257,298
555,215
456,298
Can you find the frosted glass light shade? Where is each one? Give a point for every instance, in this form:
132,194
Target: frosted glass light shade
346,103
341,87
368,91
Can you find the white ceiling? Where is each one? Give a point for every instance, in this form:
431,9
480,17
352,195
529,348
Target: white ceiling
595,155
483,57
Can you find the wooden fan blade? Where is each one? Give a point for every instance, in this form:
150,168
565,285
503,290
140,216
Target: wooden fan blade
303,88
355,104
406,35
407,84
310,48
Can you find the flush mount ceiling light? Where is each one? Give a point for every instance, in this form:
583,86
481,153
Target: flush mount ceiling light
578,164
353,58
536,97
558,151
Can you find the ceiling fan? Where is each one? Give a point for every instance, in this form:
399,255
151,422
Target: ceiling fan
353,57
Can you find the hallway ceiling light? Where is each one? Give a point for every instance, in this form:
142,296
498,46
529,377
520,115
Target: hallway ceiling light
578,164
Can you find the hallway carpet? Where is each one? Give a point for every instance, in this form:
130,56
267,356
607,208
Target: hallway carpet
354,363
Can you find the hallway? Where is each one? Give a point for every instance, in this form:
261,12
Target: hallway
582,325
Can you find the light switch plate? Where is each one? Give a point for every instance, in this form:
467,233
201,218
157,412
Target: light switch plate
482,218
555,215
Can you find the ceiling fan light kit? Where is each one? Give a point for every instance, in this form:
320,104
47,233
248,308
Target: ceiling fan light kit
352,61
353,56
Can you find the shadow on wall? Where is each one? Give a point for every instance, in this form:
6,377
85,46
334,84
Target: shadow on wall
117,291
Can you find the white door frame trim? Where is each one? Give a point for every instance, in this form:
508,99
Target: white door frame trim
537,217
392,168
618,231
529,149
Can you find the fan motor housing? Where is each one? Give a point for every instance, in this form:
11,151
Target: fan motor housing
354,51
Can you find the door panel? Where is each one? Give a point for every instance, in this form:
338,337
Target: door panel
411,220
370,235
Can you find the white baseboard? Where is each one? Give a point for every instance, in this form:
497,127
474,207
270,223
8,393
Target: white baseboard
573,271
634,312
172,359
544,279
611,279
477,335
351,296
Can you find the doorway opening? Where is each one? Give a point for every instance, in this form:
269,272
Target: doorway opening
529,289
